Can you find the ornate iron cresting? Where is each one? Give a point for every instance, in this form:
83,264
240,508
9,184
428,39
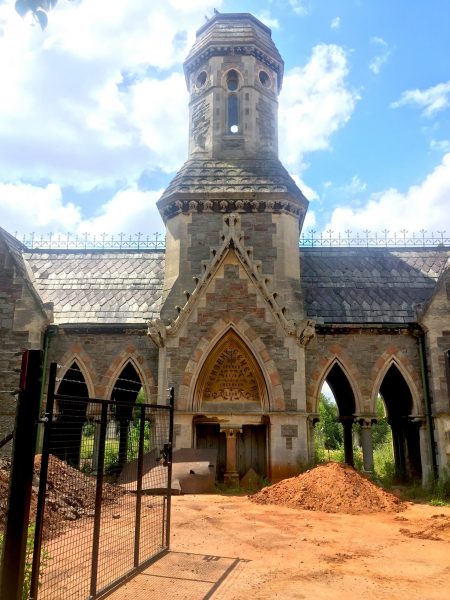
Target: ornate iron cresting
309,239
367,238
84,241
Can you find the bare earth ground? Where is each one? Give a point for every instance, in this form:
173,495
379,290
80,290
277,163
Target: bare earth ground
227,547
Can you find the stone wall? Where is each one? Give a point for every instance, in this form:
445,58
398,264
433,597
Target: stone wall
436,322
365,354
102,352
22,322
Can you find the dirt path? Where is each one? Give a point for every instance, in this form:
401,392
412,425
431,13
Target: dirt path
288,553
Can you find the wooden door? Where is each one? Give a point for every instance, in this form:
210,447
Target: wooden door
251,450
208,435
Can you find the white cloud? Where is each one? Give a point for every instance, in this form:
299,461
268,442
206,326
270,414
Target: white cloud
42,210
354,187
315,102
382,56
129,211
37,209
266,18
440,145
298,7
432,100
335,23
308,191
69,110
423,206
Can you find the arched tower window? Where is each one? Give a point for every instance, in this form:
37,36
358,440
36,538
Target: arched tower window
232,102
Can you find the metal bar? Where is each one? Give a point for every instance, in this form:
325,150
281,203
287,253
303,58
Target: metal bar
43,483
6,439
140,470
115,402
15,541
169,466
98,501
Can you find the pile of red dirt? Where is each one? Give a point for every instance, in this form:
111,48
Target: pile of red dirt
437,527
332,488
70,495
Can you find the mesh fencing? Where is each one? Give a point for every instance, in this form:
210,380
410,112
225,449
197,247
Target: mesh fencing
104,495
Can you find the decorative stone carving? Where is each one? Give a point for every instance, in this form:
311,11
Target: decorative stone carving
305,331
200,124
157,332
231,376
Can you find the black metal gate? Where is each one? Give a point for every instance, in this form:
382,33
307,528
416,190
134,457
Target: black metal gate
103,507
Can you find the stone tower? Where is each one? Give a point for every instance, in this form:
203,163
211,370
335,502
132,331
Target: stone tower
232,276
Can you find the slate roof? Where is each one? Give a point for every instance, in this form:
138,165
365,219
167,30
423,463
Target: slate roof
369,285
339,285
99,286
244,176
242,31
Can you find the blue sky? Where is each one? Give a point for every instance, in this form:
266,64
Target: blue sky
93,111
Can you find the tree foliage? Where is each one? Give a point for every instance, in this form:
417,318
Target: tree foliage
380,429
328,426
38,9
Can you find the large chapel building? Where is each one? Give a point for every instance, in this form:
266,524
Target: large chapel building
245,325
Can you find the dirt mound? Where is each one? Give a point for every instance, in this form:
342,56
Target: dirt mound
436,528
333,488
70,495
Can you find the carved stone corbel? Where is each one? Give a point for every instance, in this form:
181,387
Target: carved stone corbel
305,331
157,332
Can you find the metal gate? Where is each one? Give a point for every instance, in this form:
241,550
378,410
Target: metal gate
103,508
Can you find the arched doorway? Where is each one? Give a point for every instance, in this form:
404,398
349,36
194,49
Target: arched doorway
124,394
398,401
231,398
70,416
343,394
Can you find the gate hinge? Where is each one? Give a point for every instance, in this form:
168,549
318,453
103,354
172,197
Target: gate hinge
43,418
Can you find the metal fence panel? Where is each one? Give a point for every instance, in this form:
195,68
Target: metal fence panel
104,502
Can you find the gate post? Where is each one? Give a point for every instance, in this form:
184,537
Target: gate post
25,431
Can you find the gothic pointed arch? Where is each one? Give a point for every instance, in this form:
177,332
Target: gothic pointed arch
343,391
342,385
394,364
399,405
230,379
135,363
124,394
83,363
70,415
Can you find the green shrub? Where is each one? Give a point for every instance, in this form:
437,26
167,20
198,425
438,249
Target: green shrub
29,561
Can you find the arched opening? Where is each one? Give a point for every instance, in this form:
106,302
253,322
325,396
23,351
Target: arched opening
125,394
70,416
344,397
328,436
231,383
233,113
398,401
232,83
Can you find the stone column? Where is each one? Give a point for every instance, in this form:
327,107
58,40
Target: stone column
231,476
367,443
347,423
427,470
313,419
